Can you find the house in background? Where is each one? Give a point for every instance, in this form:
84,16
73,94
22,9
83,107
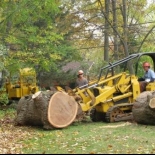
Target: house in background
67,76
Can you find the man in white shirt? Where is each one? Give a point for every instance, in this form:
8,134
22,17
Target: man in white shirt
149,76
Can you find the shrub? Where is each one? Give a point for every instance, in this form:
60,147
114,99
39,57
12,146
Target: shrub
4,100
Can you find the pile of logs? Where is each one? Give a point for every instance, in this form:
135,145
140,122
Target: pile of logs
57,109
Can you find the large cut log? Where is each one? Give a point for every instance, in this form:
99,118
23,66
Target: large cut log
144,108
50,109
62,110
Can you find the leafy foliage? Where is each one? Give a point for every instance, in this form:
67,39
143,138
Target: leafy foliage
3,96
30,31
48,34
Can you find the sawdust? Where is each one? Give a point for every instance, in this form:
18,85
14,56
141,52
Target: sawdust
116,126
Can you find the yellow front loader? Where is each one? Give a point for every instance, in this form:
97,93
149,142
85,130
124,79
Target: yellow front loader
22,83
110,98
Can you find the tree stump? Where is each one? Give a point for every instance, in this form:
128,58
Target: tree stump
50,109
144,108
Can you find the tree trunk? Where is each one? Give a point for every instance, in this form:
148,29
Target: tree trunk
114,13
125,29
144,108
106,32
50,109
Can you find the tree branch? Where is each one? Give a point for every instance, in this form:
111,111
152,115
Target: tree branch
145,38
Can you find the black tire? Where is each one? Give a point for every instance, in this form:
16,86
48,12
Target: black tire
96,116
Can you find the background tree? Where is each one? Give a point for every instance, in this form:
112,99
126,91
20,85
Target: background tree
131,16
30,32
48,34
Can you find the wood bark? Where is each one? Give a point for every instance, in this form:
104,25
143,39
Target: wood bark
106,32
50,109
114,13
144,108
125,30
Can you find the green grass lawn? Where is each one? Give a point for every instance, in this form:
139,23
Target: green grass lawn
79,138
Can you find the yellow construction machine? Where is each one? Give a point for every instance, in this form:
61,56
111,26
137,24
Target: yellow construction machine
110,98
22,83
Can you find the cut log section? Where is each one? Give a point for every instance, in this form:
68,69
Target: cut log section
152,103
62,110
50,109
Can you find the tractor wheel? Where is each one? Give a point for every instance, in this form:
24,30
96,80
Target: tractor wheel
96,116
112,113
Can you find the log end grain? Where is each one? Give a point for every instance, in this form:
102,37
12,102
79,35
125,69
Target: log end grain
62,110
